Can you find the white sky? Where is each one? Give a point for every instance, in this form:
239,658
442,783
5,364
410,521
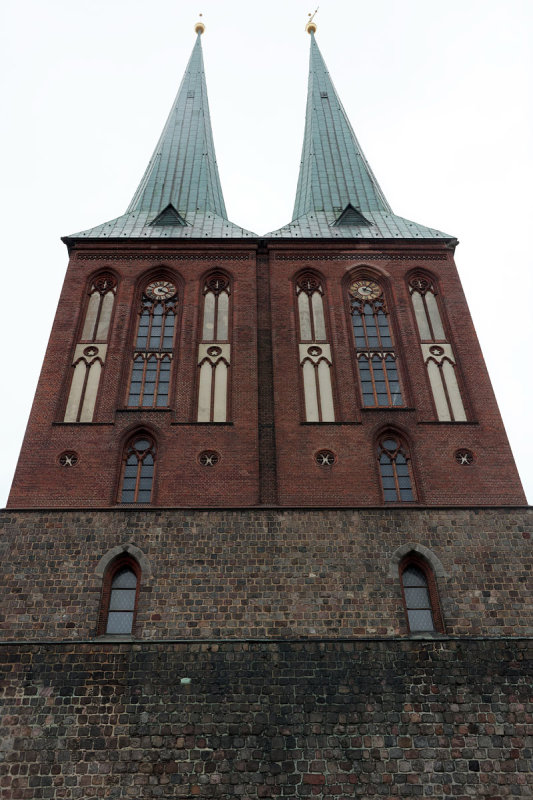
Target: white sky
439,95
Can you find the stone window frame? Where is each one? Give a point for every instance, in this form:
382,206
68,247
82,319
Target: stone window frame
417,555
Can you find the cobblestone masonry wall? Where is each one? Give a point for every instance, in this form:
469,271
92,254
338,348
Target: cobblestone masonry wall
443,719
259,573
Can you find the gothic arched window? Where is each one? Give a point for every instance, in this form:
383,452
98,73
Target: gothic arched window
138,470
314,350
153,351
214,352
91,350
395,470
420,596
436,350
119,597
376,358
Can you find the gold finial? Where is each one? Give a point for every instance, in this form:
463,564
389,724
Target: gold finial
311,26
199,27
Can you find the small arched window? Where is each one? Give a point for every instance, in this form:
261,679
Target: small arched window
119,597
420,597
395,470
138,470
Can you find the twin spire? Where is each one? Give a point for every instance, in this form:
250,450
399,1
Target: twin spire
180,195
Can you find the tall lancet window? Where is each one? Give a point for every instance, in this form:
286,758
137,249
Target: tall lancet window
314,350
138,470
436,350
376,358
395,470
153,351
91,350
214,351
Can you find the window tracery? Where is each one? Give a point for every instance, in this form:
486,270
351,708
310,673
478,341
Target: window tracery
315,359
436,350
214,359
376,357
89,360
396,479
153,352
138,470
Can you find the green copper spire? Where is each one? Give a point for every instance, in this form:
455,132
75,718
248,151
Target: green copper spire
333,170
180,195
338,195
183,169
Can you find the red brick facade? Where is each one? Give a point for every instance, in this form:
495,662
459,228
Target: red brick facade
266,448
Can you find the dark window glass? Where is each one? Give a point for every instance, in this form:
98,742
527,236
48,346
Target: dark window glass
149,382
395,472
378,372
417,599
122,602
137,479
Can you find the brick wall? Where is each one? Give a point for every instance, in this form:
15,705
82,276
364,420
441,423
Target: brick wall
263,573
267,449
318,719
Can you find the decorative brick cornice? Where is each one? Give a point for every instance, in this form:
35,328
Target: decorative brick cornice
360,255
161,256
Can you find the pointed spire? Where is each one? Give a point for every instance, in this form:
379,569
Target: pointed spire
180,194
183,170
333,169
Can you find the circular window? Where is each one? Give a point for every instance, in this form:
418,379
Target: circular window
419,283
464,457
68,458
325,458
217,283
209,458
104,283
308,283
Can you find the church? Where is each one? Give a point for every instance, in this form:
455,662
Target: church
266,536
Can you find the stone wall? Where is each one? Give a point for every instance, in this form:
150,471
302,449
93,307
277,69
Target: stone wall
261,573
397,718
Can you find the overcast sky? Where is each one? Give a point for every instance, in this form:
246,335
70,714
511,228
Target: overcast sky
439,95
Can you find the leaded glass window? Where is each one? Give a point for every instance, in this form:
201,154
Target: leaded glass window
153,351
395,471
138,471
376,357
122,602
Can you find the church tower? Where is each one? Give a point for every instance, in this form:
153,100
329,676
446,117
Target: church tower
266,536
331,362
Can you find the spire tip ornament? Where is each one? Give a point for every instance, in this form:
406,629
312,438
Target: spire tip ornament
199,27
311,26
